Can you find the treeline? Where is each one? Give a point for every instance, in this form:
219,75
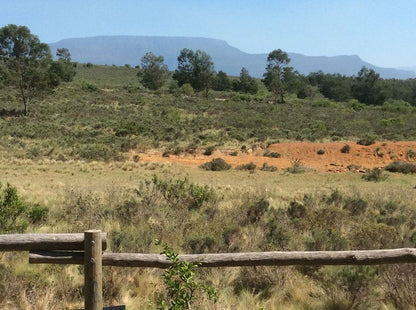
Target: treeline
195,71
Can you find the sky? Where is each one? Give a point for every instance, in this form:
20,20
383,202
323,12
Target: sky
381,32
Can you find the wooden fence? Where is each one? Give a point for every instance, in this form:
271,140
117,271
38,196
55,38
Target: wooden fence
87,249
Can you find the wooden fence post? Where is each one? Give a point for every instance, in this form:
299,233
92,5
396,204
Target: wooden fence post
93,271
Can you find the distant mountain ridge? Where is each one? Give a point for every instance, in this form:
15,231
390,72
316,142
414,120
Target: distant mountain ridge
120,50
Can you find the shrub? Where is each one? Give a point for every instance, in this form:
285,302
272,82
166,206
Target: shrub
88,86
209,150
182,192
320,152
296,210
250,166
375,174
345,149
411,154
182,288
12,210
269,168
234,153
255,280
272,154
38,213
257,210
217,164
367,140
297,167
401,167
356,206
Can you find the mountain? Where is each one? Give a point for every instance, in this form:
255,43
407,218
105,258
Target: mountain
120,50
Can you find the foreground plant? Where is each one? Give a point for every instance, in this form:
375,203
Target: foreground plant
180,283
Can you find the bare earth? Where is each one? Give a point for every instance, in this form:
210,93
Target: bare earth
363,157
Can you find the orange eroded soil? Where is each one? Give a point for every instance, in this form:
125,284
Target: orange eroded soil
377,155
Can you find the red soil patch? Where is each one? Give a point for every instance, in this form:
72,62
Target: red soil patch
377,155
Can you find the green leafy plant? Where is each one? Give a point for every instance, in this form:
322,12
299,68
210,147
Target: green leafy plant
179,279
12,210
345,149
401,167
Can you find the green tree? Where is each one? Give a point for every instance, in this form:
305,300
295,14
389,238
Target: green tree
26,64
195,68
25,61
277,74
221,81
153,73
247,84
367,87
63,69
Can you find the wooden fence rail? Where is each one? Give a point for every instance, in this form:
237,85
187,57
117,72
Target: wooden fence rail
368,257
47,242
87,249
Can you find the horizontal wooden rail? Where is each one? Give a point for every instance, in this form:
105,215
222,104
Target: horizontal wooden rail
47,242
368,257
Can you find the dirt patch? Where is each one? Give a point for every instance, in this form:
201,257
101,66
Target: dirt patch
330,159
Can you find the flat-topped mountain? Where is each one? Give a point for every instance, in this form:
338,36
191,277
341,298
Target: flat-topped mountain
120,50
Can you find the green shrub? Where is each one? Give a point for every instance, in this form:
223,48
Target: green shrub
356,206
12,211
183,193
401,167
88,86
272,154
296,210
257,210
255,280
217,164
182,288
367,140
250,166
345,149
234,153
375,174
411,154
38,213
326,240
320,152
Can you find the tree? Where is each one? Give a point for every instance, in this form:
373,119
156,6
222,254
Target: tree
154,72
367,88
195,68
247,84
63,69
277,74
26,64
221,81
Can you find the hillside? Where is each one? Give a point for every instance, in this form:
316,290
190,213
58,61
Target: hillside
120,50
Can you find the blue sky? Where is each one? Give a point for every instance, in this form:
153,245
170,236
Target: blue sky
381,32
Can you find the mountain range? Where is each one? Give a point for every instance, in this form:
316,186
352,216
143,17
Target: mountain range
121,50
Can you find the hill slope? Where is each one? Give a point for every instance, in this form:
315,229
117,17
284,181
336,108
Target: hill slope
120,50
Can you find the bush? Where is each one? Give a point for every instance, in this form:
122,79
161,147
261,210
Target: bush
182,192
12,210
297,167
217,164
411,154
320,152
375,174
250,166
38,213
257,210
345,149
401,167
209,150
367,140
269,168
356,206
272,154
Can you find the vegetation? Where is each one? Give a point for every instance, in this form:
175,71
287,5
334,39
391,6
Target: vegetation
26,64
67,161
153,73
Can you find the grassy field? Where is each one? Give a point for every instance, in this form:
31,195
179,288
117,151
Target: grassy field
69,159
